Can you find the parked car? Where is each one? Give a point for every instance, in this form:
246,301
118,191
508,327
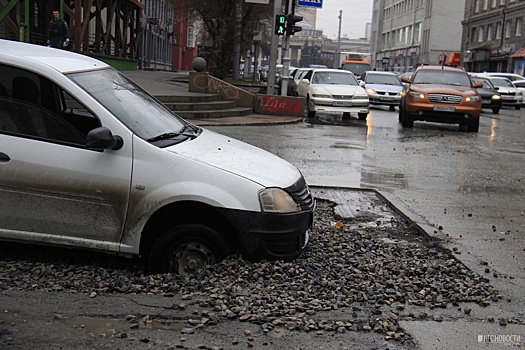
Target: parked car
510,95
440,94
297,75
511,76
383,88
90,160
520,84
333,90
490,97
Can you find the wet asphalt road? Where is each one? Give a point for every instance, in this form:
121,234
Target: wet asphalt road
468,187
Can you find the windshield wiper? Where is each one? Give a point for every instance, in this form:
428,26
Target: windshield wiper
187,131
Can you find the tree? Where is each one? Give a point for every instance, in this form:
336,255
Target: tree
218,18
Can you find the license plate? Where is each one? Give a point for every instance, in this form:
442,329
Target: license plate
444,109
386,98
507,97
342,104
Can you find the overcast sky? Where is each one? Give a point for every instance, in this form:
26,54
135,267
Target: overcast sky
356,13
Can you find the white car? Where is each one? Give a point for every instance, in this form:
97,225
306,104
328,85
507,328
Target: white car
383,88
511,76
90,160
511,96
333,90
520,84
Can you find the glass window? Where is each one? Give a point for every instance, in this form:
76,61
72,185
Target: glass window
489,32
508,28
498,30
481,34
519,24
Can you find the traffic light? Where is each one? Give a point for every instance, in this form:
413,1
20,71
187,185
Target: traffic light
291,28
280,24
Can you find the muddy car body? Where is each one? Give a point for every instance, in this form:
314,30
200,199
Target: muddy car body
90,160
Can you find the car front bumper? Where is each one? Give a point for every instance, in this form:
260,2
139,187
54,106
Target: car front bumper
341,106
271,236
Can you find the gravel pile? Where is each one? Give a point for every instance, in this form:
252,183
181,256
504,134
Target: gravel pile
361,270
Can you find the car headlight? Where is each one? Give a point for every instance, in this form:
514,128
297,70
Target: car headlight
276,200
371,91
472,98
416,94
496,97
321,96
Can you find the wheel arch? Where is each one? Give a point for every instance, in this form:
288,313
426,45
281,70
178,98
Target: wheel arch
186,212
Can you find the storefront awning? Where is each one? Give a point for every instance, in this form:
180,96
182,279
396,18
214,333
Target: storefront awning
519,53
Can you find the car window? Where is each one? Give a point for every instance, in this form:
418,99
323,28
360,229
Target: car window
521,84
382,79
501,82
334,78
34,107
442,77
135,108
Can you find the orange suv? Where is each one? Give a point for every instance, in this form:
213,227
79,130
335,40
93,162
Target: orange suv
440,94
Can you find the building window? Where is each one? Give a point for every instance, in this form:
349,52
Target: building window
473,35
485,4
494,3
417,33
498,31
481,34
501,2
489,32
519,23
508,28
476,6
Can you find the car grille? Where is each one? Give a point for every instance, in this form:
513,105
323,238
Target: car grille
387,93
444,98
301,195
342,97
507,93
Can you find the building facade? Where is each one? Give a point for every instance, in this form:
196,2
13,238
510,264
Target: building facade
493,36
407,33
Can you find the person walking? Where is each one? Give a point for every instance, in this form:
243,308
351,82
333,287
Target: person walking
58,35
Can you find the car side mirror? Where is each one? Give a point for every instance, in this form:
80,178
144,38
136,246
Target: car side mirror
477,85
102,138
305,81
496,87
405,80
361,83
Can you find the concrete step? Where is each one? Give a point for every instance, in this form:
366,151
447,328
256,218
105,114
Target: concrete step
215,113
188,98
193,106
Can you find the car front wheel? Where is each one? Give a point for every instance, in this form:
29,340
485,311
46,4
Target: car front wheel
405,119
186,248
362,116
309,112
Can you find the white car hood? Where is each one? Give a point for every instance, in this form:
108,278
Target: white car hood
332,89
239,158
385,87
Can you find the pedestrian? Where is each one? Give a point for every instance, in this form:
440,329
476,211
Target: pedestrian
58,35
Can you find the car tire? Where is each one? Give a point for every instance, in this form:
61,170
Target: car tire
392,108
346,115
309,112
495,110
517,107
186,248
405,119
473,127
362,116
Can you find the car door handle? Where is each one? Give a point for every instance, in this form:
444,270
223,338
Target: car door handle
4,158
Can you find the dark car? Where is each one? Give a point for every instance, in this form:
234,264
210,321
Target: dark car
490,97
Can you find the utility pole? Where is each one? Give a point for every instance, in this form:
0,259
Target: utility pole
337,59
286,49
270,88
237,39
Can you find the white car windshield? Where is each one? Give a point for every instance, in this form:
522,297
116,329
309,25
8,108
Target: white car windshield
501,82
385,79
135,108
334,78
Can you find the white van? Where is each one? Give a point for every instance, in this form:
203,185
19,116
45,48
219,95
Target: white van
90,160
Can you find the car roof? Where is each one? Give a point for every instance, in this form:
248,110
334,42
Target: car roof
380,72
331,70
36,56
440,67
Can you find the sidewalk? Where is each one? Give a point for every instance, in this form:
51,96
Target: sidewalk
164,83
